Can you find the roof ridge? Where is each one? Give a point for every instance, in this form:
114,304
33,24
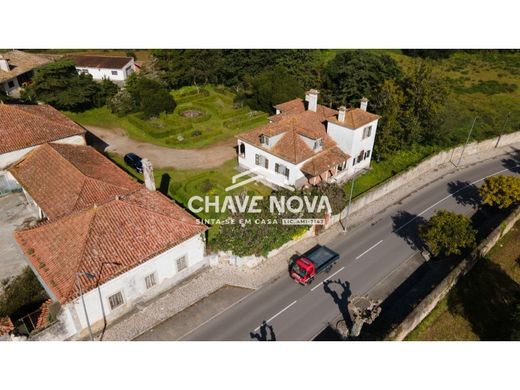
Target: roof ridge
40,117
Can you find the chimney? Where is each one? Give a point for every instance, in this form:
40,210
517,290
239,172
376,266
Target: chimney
149,181
4,64
341,113
311,97
364,104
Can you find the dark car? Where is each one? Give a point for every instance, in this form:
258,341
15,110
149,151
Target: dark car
134,161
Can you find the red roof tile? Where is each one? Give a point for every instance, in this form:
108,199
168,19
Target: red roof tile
130,230
105,62
324,161
355,118
63,178
23,126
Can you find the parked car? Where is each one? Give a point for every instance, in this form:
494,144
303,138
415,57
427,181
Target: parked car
134,161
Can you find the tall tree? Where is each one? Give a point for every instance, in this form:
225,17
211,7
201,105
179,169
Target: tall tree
501,191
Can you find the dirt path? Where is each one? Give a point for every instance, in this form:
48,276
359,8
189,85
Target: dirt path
161,156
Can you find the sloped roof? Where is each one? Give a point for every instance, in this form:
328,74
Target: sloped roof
23,126
355,118
130,230
324,161
64,178
299,105
104,62
21,62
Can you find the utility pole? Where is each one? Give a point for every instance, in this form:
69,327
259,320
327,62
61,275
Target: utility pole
503,129
467,140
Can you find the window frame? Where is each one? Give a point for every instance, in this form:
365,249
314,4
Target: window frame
114,72
185,259
120,292
367,132
150,277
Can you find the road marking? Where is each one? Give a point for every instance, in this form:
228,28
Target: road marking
369,249
324,280
276,315
448,196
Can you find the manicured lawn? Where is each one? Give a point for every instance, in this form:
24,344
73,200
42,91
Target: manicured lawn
182,185
484,303
218,119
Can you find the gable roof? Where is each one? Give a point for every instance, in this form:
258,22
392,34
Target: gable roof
63,178
298,105
324,161
130,230
21,62
104,62
23,126
355,118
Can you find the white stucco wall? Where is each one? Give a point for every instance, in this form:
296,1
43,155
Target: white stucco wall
105,73
9,158
248,162
10,90
133,287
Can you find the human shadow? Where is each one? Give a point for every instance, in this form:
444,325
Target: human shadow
489,299
265,333
165,184
465,193
341,299
406,226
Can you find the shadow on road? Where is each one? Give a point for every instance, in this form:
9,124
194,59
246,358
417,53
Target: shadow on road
341,299
265,333
465,193
406,226
513,162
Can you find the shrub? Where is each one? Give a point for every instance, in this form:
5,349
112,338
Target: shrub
122,103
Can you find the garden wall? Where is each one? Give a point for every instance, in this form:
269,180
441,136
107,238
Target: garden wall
428,304
431,163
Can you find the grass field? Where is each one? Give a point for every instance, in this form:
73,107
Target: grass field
219,119
483,305
182,185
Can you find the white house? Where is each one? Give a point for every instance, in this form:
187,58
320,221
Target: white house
116,69
108,242
23,127
17,68
306,143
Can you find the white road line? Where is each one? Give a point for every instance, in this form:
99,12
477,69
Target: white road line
369,249
448,196
276,315
324,280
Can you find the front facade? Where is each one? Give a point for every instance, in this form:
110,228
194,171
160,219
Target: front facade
306,143
17,68
116,69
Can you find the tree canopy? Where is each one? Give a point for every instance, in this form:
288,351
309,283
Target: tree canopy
446,233
501,191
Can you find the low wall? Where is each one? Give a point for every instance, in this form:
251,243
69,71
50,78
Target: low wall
432,299
451,155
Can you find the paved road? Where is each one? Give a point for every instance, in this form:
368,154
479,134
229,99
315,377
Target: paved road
368,254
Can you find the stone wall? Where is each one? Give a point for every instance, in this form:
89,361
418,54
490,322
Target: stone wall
428,304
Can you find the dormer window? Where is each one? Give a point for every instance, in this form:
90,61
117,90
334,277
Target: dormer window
318,143
264,139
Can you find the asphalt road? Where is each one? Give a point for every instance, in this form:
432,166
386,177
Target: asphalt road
367,254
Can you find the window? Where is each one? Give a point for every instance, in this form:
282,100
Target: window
361,156
116,300
10,84
367,131
318,143
129,71
261,161
264,139
181,263
281,169
367,154
114,73
150,280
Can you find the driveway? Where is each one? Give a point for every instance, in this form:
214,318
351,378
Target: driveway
13,212
161,156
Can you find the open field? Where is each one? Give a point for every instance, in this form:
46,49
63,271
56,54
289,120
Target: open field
485,303
180,185
215,117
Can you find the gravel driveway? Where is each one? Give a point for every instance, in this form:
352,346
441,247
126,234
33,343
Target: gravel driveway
161,156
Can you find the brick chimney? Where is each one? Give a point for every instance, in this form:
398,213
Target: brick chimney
311,97
341,113
4,64
364,104
149,181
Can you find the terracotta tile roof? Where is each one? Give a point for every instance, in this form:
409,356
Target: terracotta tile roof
63,178
129,230
355,118
21,62
23,126
105,62
298,106
324,161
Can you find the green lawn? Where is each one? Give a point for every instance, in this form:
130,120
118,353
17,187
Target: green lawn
483,305
181,185
220,119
